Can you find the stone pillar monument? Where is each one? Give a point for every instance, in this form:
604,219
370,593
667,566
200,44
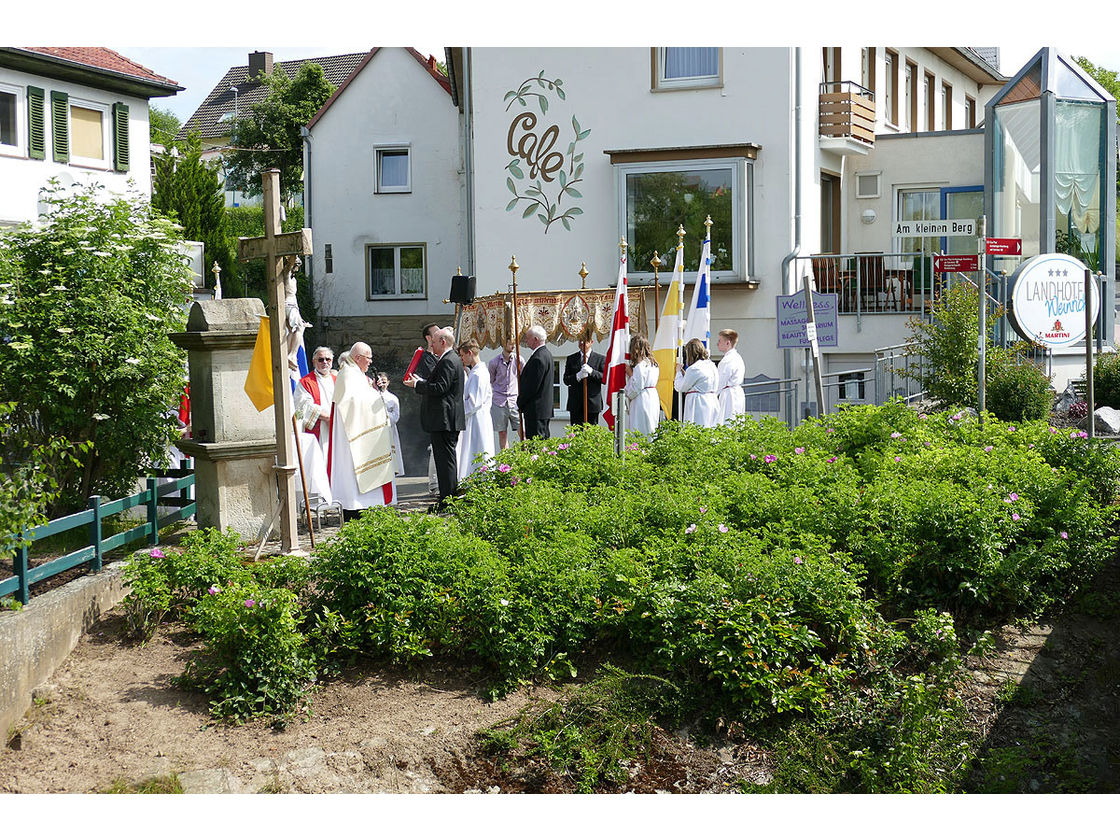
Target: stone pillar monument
233,444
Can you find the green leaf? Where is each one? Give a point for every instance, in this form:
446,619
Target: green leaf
575,124
583,134
572,191
544,105
560,92
579,171
543,218
528,211
563,177
574,211
564,221
509,95
516,170
512,204
512,187
558,82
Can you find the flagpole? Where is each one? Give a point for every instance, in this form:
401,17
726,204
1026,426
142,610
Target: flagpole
619,413
583,272
656,263
680,320
708,274
513,266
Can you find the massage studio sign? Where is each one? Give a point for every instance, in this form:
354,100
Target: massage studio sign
546,163
1048,300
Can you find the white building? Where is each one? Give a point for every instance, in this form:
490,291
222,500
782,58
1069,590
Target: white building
805,159
78,114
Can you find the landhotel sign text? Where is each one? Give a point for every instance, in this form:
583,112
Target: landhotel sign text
936,227
1048,300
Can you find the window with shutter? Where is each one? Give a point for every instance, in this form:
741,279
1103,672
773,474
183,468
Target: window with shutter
36,128
60,126
120,137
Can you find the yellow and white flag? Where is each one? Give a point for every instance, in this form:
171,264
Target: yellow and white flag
258,382
667,341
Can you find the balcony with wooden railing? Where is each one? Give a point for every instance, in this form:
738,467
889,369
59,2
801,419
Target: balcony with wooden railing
846,118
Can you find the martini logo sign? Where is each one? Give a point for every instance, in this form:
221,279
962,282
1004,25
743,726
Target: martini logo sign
1048,300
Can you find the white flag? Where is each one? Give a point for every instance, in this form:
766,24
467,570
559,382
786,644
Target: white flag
699,323
618,353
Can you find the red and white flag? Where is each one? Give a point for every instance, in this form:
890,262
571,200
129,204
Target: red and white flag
618,353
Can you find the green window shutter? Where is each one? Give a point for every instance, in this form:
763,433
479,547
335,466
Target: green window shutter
60,126
36,132
120,137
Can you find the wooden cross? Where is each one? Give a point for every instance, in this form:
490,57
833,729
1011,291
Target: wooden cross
273,247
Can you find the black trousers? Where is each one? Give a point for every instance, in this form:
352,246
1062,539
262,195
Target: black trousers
536,427
443,451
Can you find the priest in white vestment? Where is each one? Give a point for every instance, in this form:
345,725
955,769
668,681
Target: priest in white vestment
697,381
393,406
644,406
360,461
731,372
478,436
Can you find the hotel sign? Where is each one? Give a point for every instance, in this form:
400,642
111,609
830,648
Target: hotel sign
1048,300
936,227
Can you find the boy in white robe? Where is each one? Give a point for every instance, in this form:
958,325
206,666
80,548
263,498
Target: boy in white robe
478,436
731,372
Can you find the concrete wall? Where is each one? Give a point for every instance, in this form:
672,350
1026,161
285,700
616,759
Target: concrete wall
23,177
36,640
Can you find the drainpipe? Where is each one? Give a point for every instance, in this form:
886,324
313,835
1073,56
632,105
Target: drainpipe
789,258
310,267
468,154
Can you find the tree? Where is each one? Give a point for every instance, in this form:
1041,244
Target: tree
162,126
87,300
190,191
269,135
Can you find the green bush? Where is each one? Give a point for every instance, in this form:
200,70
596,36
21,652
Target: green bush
948,348
1016,388
1106,380
254,661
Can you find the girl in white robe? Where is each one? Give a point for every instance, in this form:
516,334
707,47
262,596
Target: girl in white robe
698,381
393,407
644,410
478,436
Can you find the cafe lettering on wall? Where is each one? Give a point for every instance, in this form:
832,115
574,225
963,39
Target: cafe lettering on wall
1048,300
541,178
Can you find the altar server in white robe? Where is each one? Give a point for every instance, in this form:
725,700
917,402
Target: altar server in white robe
697,381
360,462
644,409
393,406
478,436
731,371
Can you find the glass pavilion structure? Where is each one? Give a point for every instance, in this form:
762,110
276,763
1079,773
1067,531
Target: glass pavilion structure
1050,165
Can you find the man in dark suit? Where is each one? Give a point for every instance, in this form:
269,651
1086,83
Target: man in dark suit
583,374
441,410
534,393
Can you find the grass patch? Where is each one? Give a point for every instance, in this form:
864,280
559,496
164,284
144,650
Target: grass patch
157,784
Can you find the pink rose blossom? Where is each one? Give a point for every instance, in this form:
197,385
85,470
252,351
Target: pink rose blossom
703,510
1064,535
156,553
896,435
504,468
563,446
770,459
800,450
1014,517
723,529
690,528
249,602
897,458
1014,497
831,460
796,559
987,449
214,590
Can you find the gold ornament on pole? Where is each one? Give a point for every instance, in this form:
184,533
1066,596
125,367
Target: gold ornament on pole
583,272
656,263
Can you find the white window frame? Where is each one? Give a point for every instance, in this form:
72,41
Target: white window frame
378,152
396,246
660,82
105,162
19,148
740,216
877,174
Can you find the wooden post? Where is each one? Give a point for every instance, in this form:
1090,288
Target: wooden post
1090,397
982,338
814,346
273,247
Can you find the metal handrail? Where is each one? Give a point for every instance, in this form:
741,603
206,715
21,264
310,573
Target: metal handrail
845,87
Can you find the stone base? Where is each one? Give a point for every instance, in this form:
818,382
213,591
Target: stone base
235,485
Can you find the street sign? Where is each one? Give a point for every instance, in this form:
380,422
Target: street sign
1003,247
793,325
967,262
936,227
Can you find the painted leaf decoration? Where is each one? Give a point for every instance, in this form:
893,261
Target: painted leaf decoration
579,170
575,124
575,211
578,157
558,82
543,218
560,91
511,185
528,211
509,96
566,223
516,170
552,210
521,100
563,178
544,105
583,134
572,191
512,204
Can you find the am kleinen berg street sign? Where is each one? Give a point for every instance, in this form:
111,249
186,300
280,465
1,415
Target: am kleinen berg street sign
936,227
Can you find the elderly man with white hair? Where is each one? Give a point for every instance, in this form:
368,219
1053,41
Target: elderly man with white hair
534,397
361,453
441,411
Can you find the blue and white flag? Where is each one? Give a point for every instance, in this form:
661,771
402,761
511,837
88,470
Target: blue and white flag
699,322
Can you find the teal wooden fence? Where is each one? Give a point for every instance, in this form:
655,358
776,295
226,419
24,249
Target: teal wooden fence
152,497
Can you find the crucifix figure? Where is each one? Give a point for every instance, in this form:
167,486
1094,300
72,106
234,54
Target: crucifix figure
280,252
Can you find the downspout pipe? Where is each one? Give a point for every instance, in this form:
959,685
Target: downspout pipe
306,134
789,258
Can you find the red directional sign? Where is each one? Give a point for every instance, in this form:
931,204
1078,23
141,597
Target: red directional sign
969,262
1003,247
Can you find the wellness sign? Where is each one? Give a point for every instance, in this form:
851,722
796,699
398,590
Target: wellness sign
1048,300
792,320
